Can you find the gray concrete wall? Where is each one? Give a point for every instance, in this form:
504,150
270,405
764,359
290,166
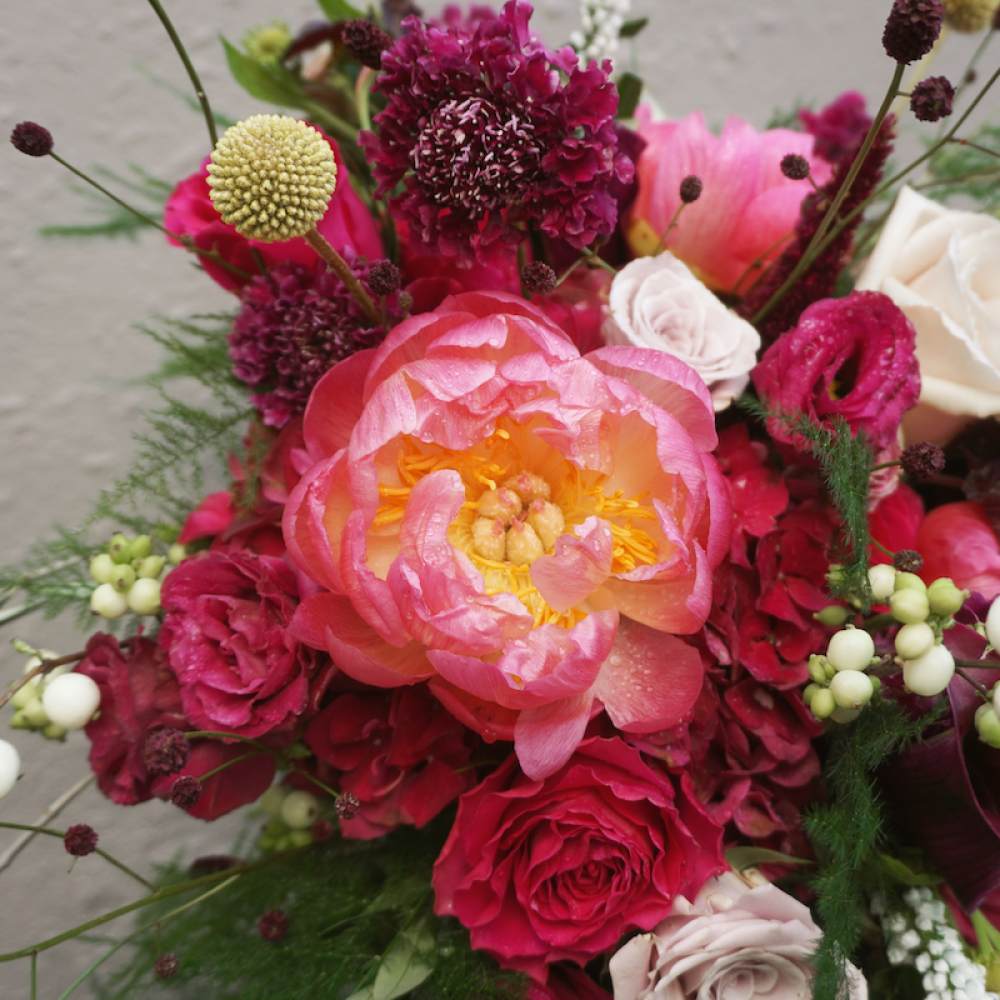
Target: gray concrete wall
69,357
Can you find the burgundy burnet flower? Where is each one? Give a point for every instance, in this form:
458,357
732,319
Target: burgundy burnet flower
851,357
486,129
295,323
80,840
932,99
226,637
912,28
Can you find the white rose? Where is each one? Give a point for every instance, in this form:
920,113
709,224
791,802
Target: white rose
942,268
741,937
657,302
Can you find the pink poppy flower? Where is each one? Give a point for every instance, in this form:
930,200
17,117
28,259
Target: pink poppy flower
747,207
523,527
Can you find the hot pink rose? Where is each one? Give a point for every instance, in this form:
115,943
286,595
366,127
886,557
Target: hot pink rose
957,540
400,754
558,869
190,212
139,694
225,634
525,528
747,206
739,938
851,357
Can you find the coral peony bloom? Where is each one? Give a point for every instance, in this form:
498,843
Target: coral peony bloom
956,540
747,208
739,938
558,869
225,635
189,212
526,528
850,357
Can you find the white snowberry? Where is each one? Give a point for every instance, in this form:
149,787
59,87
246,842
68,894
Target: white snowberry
71,700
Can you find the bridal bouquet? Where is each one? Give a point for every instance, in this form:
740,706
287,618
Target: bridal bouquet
602,599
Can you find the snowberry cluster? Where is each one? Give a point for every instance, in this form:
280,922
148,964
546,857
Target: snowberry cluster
128,576
55,700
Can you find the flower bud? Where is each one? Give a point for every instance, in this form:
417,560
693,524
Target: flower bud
823,704
988,725
832,616
929,674
10,767
144,597
945,598
101,567
300,810
108,602
850,649
909,606
882,580
910,581
912,641
140,546
851,689
72,700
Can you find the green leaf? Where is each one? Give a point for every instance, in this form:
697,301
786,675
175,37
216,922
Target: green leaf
339,10
899,871
403,967
739,858
258,81
632,28
629,92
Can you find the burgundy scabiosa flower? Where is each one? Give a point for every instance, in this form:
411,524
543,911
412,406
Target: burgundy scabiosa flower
296,323
486,128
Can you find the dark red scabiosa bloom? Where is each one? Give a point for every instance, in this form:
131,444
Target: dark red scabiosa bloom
273,925
295,324
31,139
932,99
912,28
167,751
80,840
486,128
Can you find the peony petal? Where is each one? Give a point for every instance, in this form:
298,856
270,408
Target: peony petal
545,737
335,406
579,565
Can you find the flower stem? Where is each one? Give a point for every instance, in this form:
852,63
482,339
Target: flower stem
979,687
339,266
192,73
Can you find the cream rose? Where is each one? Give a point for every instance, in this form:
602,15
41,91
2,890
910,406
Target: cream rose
942,268
741,939
657,302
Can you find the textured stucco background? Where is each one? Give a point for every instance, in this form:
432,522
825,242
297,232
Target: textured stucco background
70,359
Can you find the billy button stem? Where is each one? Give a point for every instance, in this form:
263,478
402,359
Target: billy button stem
271,177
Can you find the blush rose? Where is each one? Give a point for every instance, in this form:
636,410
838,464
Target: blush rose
556,869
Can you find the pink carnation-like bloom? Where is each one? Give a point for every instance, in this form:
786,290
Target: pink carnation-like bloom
559,869
851,357
225,634
525,528
747,207
486,128
190,212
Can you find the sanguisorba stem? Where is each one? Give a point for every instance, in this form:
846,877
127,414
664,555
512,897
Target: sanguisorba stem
339,266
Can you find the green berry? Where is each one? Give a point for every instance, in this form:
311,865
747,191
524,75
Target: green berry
909,581
823,704
909,606
945,598
120,549
101,567
140,546
832,616
122,577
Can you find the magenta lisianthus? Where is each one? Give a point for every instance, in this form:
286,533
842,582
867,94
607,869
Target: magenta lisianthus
525,528
189,212
851,357
225,633
747,207
486,129
558,869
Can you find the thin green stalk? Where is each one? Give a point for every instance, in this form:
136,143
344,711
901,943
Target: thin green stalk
192,73
166,893
142,930
148,219
212,734
597,259
362,97
816,244
49,832
230,763
34,975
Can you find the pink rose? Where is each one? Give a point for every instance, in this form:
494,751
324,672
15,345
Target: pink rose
190,212
399,753
851,357
957,540
747,206
225,634
527,529
738,938
559,869
139,694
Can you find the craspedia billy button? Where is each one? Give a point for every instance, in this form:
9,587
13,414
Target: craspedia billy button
271,177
